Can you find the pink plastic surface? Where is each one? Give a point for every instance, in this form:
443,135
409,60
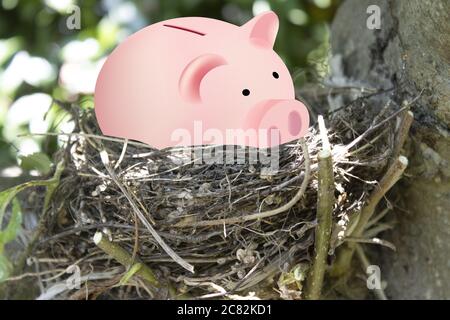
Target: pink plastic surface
165,79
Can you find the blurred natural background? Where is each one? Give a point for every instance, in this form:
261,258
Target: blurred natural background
42,59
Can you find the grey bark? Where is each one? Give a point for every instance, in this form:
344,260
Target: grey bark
412,51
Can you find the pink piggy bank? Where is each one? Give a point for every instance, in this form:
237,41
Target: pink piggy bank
195,81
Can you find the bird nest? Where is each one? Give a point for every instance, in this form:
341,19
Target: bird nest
134,222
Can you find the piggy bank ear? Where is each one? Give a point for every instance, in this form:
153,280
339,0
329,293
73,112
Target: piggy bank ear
193,74
263,29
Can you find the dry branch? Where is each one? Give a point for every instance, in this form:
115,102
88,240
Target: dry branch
325,203
402,134
123,257
324,216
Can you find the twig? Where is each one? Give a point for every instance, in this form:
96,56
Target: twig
402,133
380,227
122,154
87,135
142,218
34,274
372,241
123,257
259,215
369,144
379,216
374,127
404,128
325,203
323,135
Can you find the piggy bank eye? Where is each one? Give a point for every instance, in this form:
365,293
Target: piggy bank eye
246,92
275,75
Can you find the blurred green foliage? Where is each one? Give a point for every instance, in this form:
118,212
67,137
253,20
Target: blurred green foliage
42,59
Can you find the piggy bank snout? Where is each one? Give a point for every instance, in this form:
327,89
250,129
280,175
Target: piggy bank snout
283,121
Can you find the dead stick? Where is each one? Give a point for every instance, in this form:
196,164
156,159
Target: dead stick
123,257
402,133
325,203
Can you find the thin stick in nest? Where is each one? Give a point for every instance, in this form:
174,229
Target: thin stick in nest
325,204
122,256
142,218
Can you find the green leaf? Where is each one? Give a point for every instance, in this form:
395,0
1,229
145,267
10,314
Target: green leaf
10,231
37,161
5,268
6,196
13,226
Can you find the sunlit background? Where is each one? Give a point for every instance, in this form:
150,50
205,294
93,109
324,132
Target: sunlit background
41,59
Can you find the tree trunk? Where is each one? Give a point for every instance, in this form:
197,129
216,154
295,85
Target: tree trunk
411,50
